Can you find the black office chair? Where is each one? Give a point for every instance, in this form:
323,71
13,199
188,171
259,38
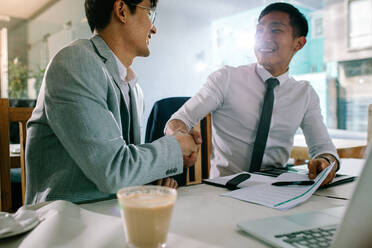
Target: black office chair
160,114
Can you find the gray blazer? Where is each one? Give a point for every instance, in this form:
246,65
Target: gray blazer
79,147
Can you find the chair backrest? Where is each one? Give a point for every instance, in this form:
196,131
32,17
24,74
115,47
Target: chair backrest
206,148
353,152
203,162
160,114
8,115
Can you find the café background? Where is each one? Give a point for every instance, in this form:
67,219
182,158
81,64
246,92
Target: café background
195,38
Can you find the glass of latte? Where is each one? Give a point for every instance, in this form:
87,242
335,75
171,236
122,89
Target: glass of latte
146,212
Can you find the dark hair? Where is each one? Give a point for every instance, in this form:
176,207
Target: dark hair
296,19
98,12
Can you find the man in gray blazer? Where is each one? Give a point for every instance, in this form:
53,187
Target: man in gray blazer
83,139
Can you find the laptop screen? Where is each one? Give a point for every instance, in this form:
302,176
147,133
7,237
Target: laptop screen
356,226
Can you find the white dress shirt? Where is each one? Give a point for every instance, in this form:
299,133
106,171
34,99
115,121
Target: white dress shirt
124,84
234,96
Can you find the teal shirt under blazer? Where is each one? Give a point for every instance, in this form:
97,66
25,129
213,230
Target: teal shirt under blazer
78,141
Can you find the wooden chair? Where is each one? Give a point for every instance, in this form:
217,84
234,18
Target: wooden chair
207,146
194,173
203,164
7,115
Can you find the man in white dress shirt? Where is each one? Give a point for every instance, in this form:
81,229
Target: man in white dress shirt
235,95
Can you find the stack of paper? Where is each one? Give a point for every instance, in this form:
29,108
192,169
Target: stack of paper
258,189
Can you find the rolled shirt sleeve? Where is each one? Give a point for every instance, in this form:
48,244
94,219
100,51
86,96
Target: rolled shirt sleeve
314,129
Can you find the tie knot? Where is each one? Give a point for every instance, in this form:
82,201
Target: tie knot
272,83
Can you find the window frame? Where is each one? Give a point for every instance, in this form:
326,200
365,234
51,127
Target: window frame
349,37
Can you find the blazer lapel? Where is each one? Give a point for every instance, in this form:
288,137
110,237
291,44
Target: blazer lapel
108,58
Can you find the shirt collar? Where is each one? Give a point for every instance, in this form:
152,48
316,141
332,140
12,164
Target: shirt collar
121,68
123,73
264,74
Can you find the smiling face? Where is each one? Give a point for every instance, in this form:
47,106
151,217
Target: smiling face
141,29
275,42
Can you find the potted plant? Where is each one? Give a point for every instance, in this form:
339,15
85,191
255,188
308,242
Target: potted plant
17,76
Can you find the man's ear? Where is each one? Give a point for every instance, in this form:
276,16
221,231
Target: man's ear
120,11
300,43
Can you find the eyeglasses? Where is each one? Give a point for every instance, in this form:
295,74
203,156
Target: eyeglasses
151,12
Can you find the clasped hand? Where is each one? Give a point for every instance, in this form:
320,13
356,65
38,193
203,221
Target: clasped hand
190,145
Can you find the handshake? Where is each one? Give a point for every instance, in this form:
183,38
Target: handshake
189,141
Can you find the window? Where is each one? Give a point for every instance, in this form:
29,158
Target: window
316,24
360,24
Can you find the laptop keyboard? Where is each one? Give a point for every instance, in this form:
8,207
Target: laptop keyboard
313,238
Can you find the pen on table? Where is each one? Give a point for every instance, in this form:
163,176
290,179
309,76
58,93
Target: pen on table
285,183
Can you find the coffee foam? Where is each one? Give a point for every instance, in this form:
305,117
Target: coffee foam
147,200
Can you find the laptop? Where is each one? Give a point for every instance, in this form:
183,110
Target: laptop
334,227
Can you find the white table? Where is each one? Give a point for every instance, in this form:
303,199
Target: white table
201,214
15,154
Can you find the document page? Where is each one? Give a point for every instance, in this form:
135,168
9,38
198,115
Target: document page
259,189
350,169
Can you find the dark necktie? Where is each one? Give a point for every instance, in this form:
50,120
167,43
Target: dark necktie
263,126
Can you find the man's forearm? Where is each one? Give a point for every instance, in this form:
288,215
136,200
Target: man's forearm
175,126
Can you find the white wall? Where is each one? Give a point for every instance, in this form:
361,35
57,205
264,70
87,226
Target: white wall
46,30
17,43
4,62
171,68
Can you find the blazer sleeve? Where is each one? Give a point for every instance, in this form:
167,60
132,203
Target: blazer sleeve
77,87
